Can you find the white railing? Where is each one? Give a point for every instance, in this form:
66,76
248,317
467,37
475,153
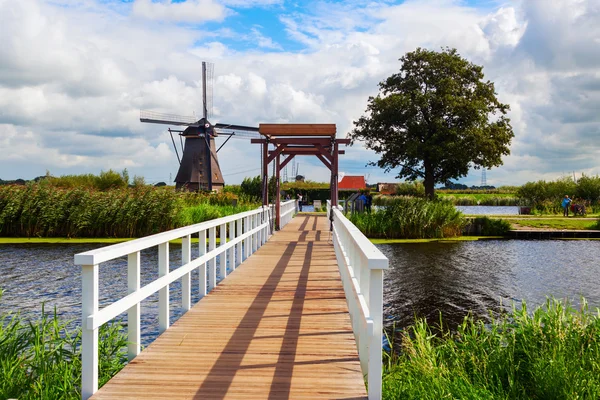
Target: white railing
361,267
287,211
249,228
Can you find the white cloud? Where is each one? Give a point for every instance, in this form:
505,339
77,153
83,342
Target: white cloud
186,11
72,79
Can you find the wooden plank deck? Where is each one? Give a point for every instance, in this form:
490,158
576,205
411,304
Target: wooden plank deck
277,328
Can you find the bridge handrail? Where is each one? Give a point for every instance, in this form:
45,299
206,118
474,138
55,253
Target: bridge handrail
361,267
288,209
250,228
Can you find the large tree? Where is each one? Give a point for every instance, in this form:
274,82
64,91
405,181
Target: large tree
435,119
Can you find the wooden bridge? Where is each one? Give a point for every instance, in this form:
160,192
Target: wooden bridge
299,319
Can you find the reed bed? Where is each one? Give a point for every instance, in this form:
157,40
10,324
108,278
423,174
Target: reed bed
411,218
551,353
45,210
42,359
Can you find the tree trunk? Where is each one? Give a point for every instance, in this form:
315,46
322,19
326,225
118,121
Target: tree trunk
429,181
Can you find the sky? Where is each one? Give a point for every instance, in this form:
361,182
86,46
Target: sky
74,75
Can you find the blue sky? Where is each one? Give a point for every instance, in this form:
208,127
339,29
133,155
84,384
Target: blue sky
75,73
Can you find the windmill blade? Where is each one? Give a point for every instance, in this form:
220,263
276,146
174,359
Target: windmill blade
231,127
154,117
210,78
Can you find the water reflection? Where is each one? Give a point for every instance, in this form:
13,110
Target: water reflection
461,277
44,273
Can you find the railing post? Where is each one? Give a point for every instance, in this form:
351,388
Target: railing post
265,220
133,314
186,280
247,240
212,264
89,337
238,248
232,249
376,310
254,237
202,268
223,255
163,294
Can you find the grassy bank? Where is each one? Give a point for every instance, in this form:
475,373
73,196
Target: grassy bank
557,223
42,359
411,218
551,353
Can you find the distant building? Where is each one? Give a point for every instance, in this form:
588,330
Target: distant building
387,188
352,183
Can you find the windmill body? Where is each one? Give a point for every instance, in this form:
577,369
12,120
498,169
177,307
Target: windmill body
194,170
199,168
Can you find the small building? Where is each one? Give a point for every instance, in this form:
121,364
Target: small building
387,188
352,183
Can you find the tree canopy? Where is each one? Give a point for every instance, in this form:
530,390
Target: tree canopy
435,119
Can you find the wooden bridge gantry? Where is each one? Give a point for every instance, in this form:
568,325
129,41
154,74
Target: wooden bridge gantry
277,328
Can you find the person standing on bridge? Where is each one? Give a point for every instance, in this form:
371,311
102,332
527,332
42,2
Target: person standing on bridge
566,203
300,202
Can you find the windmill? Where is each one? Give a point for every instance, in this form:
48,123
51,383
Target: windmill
199,165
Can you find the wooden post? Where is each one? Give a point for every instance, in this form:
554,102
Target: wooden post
277,193
334,175
265,177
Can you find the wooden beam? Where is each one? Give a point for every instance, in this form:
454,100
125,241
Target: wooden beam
325,153
297,129
304,152
275,153
301,140
286,161
324,160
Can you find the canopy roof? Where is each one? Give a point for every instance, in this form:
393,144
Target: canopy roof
287,130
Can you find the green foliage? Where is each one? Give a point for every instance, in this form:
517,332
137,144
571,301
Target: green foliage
415,189
42,359
42,210
492,226
551,353
105,181
411,218
481,199
436,119
546,197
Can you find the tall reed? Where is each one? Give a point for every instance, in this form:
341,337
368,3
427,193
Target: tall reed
551,353
411,218
42,359
45,210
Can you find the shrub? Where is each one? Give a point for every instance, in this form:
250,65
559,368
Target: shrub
411,218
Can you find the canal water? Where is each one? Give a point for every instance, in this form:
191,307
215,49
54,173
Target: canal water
488,210
424,279
456,278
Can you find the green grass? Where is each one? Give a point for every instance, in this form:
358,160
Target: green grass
557,223
551,353
42,359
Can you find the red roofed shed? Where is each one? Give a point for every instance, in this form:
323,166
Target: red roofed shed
349,182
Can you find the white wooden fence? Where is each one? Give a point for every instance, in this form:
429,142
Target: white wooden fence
250,228
361,267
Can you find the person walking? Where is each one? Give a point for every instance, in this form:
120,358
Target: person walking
300,202
369,202
566,203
